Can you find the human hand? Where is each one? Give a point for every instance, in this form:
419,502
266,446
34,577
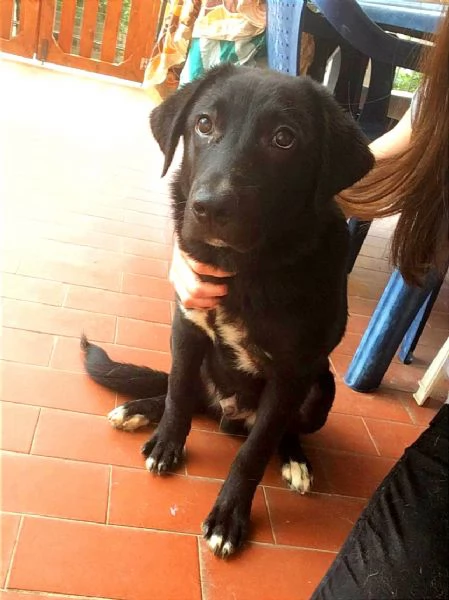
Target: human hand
194,293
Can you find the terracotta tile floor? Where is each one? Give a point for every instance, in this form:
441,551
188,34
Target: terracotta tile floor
85,247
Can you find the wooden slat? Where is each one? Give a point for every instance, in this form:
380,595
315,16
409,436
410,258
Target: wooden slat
68,12
6,10
24,43
88,27
111,27
136,15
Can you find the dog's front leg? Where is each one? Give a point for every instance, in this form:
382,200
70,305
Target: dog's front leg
227,524
164,449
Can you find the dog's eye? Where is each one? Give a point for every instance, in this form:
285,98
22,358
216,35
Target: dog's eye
284,138
204,125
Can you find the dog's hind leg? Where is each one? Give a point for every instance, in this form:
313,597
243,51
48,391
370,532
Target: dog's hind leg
312,415
137,413
296,469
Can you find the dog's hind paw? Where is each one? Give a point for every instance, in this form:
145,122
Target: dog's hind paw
120,419
298,476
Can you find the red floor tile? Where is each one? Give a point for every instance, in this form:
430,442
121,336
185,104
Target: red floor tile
9,527
151,287
145,266
37,596
211,454
156,205
9,261
53,487
398,376
18,424
263,572
361,306
118,304
77,436
383,404
392,438
47,387
19,287
352,474
115,562
422,415
67,356
357,324
102,277
147,249
141,334
173,503
204,423
343,432
313,520
26,346
57,320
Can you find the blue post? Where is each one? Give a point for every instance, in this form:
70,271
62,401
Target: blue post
393,316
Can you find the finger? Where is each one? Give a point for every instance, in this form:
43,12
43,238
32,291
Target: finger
203,269
201,303
187,283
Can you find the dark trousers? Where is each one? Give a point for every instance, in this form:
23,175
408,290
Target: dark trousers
398,548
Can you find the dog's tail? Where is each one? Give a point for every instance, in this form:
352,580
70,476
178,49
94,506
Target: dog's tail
134,381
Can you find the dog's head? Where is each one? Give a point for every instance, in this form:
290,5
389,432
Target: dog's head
263,153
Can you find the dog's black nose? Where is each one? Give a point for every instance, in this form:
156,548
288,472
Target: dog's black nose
214,208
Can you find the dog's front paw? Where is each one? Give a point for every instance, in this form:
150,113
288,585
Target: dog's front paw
121,419
226,528
162,454
298,475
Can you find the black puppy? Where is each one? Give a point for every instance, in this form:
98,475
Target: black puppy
264,154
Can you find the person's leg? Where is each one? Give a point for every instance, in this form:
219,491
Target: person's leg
398,548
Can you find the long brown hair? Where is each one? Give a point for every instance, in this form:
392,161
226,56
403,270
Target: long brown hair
415,183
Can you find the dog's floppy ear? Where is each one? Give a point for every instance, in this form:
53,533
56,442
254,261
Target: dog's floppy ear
346,157
168,119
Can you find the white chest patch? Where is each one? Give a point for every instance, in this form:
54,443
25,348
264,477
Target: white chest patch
231,334
236,337
199,317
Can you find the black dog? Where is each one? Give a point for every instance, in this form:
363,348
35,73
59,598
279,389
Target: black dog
264,154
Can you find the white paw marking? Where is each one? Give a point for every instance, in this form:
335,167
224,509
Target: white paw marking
119,420
149,463
297,476
215,543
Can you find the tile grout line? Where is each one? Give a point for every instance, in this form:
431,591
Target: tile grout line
199,478
201,568
160,531
371,437
13,553
108,501
34,432
24,594
267,506
408,410
66,288
52,352
83,310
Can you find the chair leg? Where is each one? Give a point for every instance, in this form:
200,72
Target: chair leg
415,330
433,375
393,316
